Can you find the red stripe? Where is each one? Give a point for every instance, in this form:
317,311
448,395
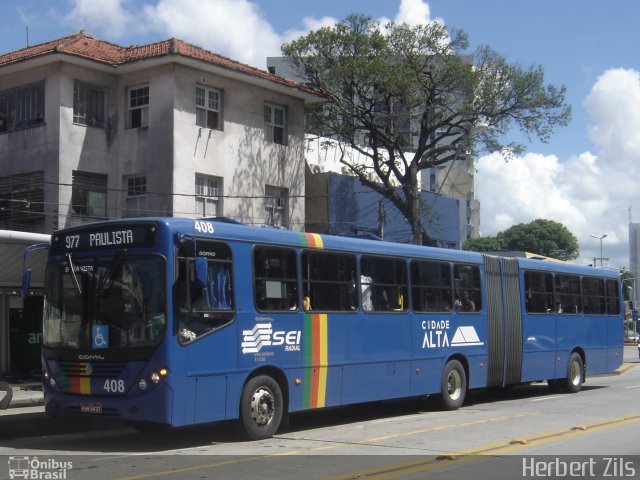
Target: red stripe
74,384
311,240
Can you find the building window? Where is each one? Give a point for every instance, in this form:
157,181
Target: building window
22,107
277,206
22,201
208,108
136,202
89,194
207,196
275,124
138,106
90,105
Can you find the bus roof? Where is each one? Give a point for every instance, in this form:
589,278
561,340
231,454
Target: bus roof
274,236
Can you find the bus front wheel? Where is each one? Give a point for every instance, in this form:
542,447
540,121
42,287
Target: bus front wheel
262,407
453,386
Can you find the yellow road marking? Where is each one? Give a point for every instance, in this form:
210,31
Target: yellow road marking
500,448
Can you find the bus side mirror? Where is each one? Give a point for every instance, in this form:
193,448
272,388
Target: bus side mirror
26,282
202,272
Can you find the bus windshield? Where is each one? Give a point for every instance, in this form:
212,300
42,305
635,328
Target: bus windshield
105,302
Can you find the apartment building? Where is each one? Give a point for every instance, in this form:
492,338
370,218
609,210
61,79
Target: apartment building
92,130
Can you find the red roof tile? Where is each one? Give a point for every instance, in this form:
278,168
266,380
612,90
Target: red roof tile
86,46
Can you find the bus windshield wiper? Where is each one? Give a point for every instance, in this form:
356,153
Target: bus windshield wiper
108,273
74,277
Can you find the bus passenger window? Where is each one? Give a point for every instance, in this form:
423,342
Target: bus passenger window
538,292
613,297
466,280
329,281
383,284
593,298
567,289
275,279
431,286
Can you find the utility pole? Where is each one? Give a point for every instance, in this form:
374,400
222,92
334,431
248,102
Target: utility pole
381,219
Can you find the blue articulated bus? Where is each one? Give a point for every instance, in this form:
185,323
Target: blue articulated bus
171,322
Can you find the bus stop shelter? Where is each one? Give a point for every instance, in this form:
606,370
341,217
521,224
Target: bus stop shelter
20,318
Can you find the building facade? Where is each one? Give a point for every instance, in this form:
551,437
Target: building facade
340,205
92,130
634,260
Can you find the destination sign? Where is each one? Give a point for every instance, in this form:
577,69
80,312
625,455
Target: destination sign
104,236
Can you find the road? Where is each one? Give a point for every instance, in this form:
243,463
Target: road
492,435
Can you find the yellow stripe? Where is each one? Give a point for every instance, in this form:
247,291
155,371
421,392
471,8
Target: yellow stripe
85,385
318,239
324,361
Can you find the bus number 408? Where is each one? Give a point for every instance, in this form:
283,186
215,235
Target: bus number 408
115,386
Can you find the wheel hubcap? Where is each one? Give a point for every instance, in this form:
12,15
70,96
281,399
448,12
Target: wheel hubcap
454,385
575,373
262,406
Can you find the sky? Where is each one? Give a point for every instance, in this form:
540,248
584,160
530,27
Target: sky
585,176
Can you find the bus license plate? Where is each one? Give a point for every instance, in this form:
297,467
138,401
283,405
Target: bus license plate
91,408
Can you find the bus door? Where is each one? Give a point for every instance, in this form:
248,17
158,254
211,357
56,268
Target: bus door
204,310
504,321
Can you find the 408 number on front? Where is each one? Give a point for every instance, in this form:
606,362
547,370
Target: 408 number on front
114,386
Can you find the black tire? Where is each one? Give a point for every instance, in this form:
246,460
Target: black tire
575,374
453,386
6,394
261,407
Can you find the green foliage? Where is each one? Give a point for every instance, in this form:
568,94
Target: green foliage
543,237
482,244
418,97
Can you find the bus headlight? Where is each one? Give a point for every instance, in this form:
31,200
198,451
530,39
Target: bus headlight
159,375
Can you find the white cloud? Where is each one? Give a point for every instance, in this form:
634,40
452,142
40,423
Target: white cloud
235,28
309,24
588,193
107,17
413,12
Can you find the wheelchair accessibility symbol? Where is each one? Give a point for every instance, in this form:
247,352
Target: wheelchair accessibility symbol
100,336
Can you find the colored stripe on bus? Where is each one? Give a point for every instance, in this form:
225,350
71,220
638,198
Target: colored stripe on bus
312,240
316,360
76,383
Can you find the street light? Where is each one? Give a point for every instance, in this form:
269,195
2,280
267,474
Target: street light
600,237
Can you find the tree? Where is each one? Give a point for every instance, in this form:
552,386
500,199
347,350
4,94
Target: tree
482,244
418,99
544,237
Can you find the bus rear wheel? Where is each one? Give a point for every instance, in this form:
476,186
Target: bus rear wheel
453,386
575,374
262,407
